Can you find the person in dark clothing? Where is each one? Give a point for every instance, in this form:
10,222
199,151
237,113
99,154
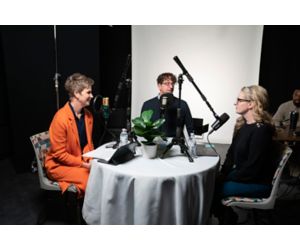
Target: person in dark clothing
165,84
249,165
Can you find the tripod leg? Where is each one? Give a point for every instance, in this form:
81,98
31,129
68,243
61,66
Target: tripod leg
185,150
166,150
102,138
105,132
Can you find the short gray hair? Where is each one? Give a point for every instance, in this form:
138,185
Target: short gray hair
77,82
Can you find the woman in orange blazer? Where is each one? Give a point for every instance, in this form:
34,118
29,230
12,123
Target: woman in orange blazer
71,136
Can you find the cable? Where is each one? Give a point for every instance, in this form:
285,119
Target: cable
212,146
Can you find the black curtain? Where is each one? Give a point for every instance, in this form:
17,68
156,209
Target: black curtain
5,142
280,63
115,46
28,98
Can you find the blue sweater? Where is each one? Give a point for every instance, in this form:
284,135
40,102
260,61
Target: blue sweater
170,114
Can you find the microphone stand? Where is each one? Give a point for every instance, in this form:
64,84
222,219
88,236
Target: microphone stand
106,130
178,139
128,109
127,82
190,78
122,81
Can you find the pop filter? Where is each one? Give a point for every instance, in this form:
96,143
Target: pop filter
97,104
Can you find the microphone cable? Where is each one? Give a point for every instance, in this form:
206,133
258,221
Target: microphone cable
212,146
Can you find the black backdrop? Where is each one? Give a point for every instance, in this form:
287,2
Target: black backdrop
27,68
280,63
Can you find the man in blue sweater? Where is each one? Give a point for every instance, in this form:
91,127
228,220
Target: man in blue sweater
165,84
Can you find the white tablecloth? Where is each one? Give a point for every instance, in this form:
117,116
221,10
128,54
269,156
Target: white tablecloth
150,191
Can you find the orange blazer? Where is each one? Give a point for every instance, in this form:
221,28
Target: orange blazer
65,147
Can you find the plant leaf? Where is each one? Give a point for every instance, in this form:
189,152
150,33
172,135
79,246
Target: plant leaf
146,115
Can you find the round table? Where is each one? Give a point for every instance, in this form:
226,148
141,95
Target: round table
150,191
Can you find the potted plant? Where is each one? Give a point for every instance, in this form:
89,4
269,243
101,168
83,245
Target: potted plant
144,127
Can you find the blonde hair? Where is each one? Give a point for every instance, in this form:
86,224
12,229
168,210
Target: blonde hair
259,96
77,83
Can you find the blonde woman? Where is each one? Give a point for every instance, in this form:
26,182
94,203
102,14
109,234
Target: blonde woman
248,168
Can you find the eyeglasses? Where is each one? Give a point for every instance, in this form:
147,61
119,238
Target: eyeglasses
242,100
168,84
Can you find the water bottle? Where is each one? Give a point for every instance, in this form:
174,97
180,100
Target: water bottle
193,145
293,120
123,137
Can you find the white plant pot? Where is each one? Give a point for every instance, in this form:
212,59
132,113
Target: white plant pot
149,151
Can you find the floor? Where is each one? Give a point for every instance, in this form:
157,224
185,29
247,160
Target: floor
22,201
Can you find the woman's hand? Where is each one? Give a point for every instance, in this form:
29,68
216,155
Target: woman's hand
86,165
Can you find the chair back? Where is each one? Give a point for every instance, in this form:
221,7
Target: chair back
41,145
286,153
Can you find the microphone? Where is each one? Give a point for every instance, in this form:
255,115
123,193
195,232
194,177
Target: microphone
165,100
219,122
97,103
105,108
101,106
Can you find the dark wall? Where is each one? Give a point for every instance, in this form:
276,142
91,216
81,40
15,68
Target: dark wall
28,98
280,63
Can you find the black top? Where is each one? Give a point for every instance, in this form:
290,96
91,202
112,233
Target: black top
251,155
170,114
80,127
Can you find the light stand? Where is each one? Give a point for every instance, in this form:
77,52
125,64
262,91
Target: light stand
178,139
57,75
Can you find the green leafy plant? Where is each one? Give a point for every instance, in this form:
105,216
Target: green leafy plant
144,127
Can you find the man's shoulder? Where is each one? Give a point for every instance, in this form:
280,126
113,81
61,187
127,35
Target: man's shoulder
287,104
152,100
183,103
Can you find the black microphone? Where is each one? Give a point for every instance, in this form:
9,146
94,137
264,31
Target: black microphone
97,103
219,122
166,100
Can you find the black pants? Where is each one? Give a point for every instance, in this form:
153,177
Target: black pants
73,207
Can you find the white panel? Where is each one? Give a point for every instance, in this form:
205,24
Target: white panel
221,59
